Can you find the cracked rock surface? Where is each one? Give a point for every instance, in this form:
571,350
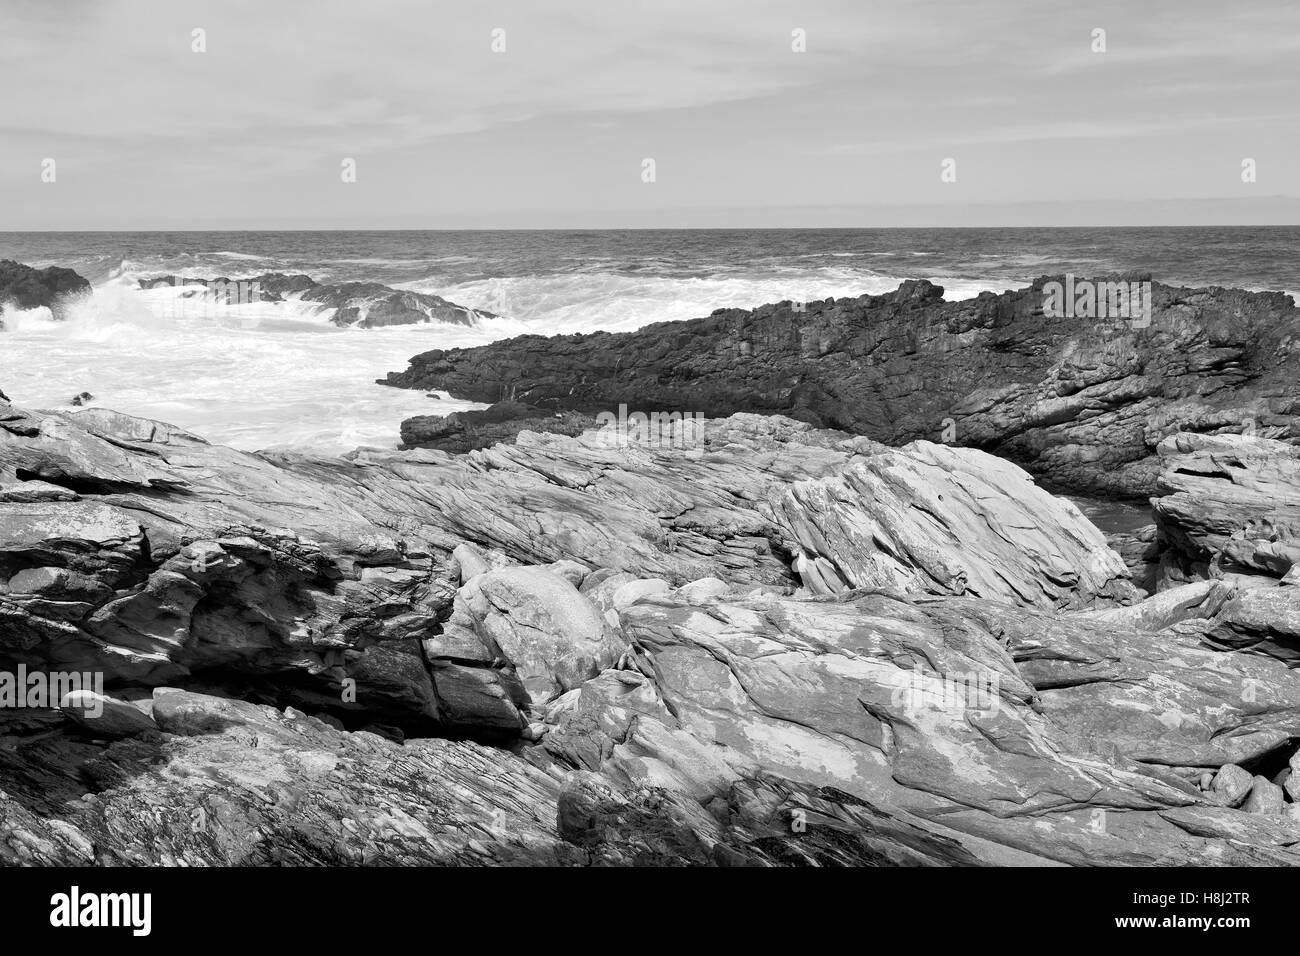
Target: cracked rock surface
1081,403
784,646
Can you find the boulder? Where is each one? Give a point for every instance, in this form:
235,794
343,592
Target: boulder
1264,797
1232,784
106,716
533,620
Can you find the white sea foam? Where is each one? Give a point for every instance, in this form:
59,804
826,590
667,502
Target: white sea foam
261,375
278,375
587,302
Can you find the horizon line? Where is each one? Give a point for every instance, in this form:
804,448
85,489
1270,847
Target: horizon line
409,229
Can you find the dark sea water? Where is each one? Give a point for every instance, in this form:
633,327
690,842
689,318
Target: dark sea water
1256,258
278,375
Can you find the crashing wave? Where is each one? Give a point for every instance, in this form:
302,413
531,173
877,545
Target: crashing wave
352,304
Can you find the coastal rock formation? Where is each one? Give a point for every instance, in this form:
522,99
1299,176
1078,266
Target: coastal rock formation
949,521
26,288
1079,402
1228,504
465,431
359,304
776,645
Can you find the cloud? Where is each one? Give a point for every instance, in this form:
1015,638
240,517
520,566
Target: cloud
440,123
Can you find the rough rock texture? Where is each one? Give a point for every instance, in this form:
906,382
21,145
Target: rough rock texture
1228,504
536,619
1229,513
569,652
26,288
1232,784
1080,402
360,304
951,521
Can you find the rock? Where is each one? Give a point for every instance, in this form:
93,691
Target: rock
26,288
359,304
29,492
388,733
629,626
474,561
479,700
1233,783
1140,550
82,398
1280,778
808,691
331,721
1080,402
703,591
537,622
930,518
635,591
466,431
1229,503
106,716
1199,601
590,810
1261,620
245,784
601,587
1264,797
572,571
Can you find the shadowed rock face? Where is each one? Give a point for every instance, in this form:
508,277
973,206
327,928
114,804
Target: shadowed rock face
1079,402
360,304
783,645
27,288
466,431
1229,512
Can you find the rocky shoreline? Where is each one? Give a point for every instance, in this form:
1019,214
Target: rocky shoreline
775,643
1080,403
27,288
362,305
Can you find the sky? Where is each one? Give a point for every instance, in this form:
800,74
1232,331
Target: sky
553,128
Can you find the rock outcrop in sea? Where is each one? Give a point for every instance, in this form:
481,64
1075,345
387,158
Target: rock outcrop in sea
24,287
772,644
482,428
360,304
1082,403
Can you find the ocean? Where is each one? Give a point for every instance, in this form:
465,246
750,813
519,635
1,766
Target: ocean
291,381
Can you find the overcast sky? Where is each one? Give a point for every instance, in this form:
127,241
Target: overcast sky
552,132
